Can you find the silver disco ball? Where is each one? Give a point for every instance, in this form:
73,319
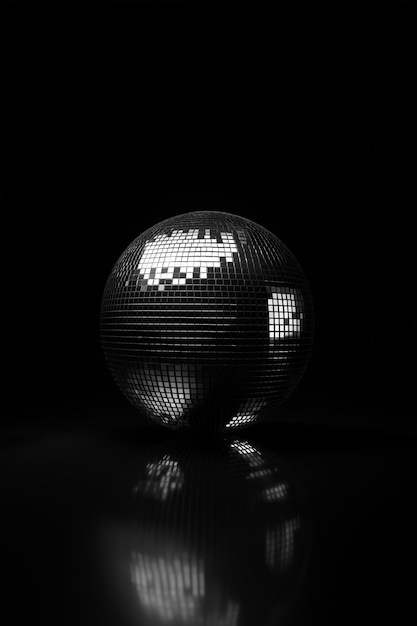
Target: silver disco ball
207,322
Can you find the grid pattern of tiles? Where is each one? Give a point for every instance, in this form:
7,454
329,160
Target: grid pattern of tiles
173,591
285,310
168,589
206,321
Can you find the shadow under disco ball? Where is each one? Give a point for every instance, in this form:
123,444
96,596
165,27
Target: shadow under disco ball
206,322
213,533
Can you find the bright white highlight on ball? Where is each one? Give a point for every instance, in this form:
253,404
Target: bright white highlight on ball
285,316
177,256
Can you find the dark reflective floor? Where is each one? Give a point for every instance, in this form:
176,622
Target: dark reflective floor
278,525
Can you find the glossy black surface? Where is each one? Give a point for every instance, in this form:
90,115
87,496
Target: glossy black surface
202,529
292,524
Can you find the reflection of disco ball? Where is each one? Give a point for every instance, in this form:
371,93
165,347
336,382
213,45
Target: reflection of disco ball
206,321
217,533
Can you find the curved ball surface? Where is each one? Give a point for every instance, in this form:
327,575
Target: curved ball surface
206,321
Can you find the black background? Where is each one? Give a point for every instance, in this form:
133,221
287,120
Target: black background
118,116
297,116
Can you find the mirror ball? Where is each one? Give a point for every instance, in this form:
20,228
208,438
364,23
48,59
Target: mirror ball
207,322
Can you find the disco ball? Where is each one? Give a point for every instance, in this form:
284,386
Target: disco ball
206,322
